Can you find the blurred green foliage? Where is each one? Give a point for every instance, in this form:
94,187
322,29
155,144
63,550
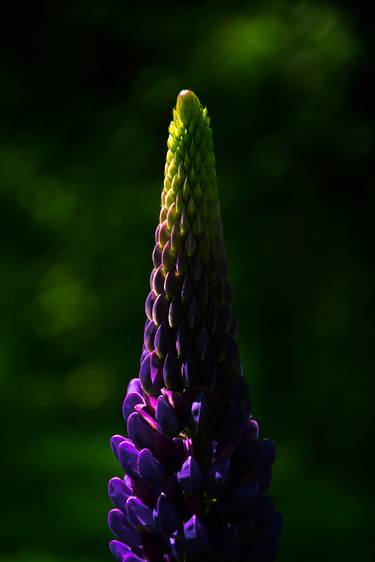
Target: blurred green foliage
86,96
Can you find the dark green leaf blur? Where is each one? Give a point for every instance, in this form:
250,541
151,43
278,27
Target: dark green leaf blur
86,95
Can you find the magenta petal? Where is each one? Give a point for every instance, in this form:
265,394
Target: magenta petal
141,409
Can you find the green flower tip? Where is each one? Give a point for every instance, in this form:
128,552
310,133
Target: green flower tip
188,106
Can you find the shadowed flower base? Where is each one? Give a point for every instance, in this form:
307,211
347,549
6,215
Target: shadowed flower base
196,472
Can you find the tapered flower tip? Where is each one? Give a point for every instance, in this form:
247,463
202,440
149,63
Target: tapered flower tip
140,515
188,106
195,534
151,470
190,476
166,516
120,526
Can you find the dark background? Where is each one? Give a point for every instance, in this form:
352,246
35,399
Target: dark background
86,94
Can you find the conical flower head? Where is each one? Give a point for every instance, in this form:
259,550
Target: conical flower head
196,472
190,326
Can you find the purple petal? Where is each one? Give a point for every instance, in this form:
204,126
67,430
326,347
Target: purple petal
176,547
163,339
139,514
189,370
218,343
131,557
115,442
187,289
167,257
151,297
211,316
160,309
200,412
268,453
190,477
158,280
119,550
225,317
166,417
264,547
120,526
163,235
226,544
201,343
141,409
196,268
156,256
128,457
151,374
151,470
140,432
195,534
166,516
171,371
177,401
248,456
149,336
228,422
192,314
240,498
267,517
175,312
265,480
252,429
182,340
118,492
181,263
218,477
134,386
171,283
202,291
131,400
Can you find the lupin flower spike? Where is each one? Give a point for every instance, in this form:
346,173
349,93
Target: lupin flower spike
196,471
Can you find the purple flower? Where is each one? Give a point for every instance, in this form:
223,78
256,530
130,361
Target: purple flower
196,471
